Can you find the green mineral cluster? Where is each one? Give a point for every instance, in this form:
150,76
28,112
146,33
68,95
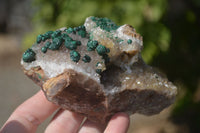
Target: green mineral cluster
46,46
81,31
56,43
29,55
53,40
102,50
44,37
91,45
70,30
75,56
55,34
105,23
71,44
86,59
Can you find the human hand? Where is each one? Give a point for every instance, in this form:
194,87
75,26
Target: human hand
29,115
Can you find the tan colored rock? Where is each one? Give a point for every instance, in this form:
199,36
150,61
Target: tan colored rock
125,84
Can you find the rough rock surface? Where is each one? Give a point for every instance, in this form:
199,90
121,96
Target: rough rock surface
97,70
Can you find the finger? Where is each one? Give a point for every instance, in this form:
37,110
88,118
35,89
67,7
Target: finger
91,127
119,123
30,114
65,122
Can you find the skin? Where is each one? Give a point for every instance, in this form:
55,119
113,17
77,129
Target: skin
30,114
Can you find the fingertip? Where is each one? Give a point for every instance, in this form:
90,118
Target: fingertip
119,123
91,127
64,121
121,115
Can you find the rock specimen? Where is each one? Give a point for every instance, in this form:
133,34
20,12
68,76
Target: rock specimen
96,70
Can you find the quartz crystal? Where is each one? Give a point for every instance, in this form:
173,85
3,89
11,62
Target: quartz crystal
96,69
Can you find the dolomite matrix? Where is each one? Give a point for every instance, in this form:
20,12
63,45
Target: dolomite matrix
96,70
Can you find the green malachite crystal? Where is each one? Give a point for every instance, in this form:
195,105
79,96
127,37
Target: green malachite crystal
82,33
72,45
106,58
97,64
75,56
56,43
105,23
64,36
78,43
98,71
39,38
102,50
47,44
56,34
86,59
129,41
44,49
68,39
91,45
29,55
69,30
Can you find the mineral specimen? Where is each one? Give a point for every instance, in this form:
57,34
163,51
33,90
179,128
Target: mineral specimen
96,70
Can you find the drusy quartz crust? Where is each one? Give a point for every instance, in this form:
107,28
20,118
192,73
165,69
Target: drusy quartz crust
96,69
